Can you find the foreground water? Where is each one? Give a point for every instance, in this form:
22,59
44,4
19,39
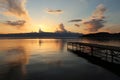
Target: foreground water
48,59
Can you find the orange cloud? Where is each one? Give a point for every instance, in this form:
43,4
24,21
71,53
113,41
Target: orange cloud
15,8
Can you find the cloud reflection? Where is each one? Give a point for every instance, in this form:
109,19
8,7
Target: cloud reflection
13,67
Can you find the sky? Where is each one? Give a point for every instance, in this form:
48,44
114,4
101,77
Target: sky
81,16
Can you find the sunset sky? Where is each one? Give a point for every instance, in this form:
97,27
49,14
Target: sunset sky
83,16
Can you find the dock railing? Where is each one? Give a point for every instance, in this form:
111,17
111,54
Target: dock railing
104,52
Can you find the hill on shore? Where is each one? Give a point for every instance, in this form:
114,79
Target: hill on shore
103,35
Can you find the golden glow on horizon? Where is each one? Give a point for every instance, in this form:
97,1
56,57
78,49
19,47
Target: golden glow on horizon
46,25
43,27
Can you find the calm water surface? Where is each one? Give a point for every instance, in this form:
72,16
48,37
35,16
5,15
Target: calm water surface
48,59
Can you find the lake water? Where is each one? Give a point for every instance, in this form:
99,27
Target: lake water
48,59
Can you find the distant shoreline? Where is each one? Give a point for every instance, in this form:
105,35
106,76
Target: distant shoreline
103,35
42,35
68,35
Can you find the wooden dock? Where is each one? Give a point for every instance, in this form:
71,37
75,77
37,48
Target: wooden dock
103,52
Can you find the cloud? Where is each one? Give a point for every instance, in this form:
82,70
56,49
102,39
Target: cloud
16,24
96,20
94,25
99,12
15,8
75,20
19,23
113,28
51,11
77,25
61,28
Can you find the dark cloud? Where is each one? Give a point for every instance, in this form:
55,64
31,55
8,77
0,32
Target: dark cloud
54,10
96,21
77,25
94,24
75,20
16,23
57,11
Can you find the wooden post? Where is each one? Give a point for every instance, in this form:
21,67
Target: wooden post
112,56
92,51
106,55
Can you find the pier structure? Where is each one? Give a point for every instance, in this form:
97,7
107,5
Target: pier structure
102,52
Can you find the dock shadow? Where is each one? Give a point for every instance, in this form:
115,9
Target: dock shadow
112,67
